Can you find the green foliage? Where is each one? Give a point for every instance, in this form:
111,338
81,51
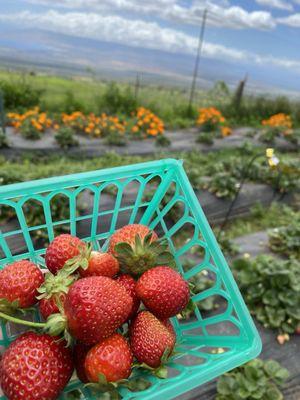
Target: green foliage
286,177
286,240
271,288
29,132
222,184
225,176
255,380
256,108
115,138
114,100
70,103
269,135
220,89
19,94
206,137
261,218
65,137
227,245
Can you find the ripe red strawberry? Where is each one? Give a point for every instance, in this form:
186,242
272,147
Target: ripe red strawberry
138,249
79,354
129,284
163,291
92,263
112,357
127,234
100,264
95,307
150,338
63,248
35,367
19,282
48,306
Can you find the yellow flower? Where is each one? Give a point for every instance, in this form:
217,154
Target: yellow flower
269,152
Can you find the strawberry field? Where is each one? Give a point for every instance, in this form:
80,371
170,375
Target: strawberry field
245,171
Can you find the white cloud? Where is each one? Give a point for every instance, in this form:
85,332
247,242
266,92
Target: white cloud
220,13
280,4
292,20
136,33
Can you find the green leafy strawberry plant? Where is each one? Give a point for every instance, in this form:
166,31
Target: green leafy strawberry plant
222,184
286,240
271,288
255,380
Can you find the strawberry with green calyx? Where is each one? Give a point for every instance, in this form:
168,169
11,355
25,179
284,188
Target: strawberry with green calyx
35,367
60,250
108,365
93,263
163,291
152,342
138,249
19,283
54,290
129,284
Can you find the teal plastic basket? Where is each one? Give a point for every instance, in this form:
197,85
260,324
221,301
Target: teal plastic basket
157,194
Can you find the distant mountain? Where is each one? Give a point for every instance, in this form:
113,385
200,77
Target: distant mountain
67,54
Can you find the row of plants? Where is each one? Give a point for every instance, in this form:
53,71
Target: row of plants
143,124
224,178
213,125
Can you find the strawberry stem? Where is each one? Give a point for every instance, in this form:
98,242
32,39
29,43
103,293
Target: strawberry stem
22,321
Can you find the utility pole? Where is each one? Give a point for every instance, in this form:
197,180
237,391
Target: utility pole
200,44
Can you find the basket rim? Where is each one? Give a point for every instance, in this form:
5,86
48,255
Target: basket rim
45,184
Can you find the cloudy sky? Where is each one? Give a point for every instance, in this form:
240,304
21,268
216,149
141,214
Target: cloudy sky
259,37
